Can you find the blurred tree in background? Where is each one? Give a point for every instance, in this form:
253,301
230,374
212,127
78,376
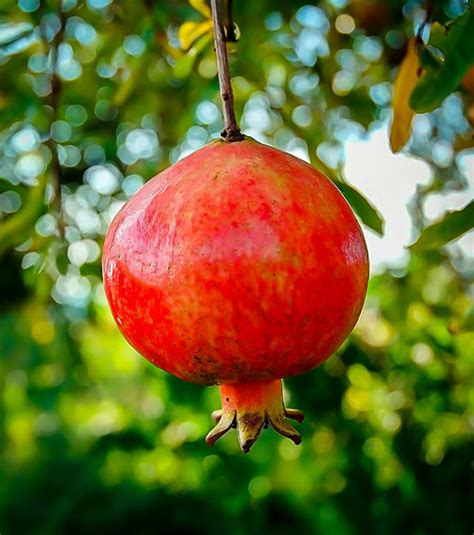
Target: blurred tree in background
96,97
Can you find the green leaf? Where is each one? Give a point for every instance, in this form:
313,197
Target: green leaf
17,227
362,207
185,64
459,55
430,57
452,226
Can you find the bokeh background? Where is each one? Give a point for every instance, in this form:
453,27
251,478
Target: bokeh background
96,97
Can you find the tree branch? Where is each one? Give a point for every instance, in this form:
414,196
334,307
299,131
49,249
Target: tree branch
231,130
53,101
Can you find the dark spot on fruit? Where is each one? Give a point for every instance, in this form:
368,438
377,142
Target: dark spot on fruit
207,378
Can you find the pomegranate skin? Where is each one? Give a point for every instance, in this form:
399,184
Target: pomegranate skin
240,263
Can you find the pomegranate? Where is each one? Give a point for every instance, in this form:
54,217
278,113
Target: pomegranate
237,266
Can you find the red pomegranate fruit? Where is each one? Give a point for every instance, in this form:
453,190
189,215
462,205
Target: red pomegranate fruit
237,266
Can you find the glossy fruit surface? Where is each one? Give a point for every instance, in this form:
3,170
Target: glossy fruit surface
239,264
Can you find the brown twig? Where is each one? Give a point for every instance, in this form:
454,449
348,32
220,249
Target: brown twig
231,130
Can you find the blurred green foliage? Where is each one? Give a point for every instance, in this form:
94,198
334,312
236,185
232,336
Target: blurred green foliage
98,96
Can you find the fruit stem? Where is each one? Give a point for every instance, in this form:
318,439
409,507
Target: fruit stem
250,408
231,130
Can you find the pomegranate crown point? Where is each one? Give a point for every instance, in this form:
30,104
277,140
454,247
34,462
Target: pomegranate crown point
250,408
